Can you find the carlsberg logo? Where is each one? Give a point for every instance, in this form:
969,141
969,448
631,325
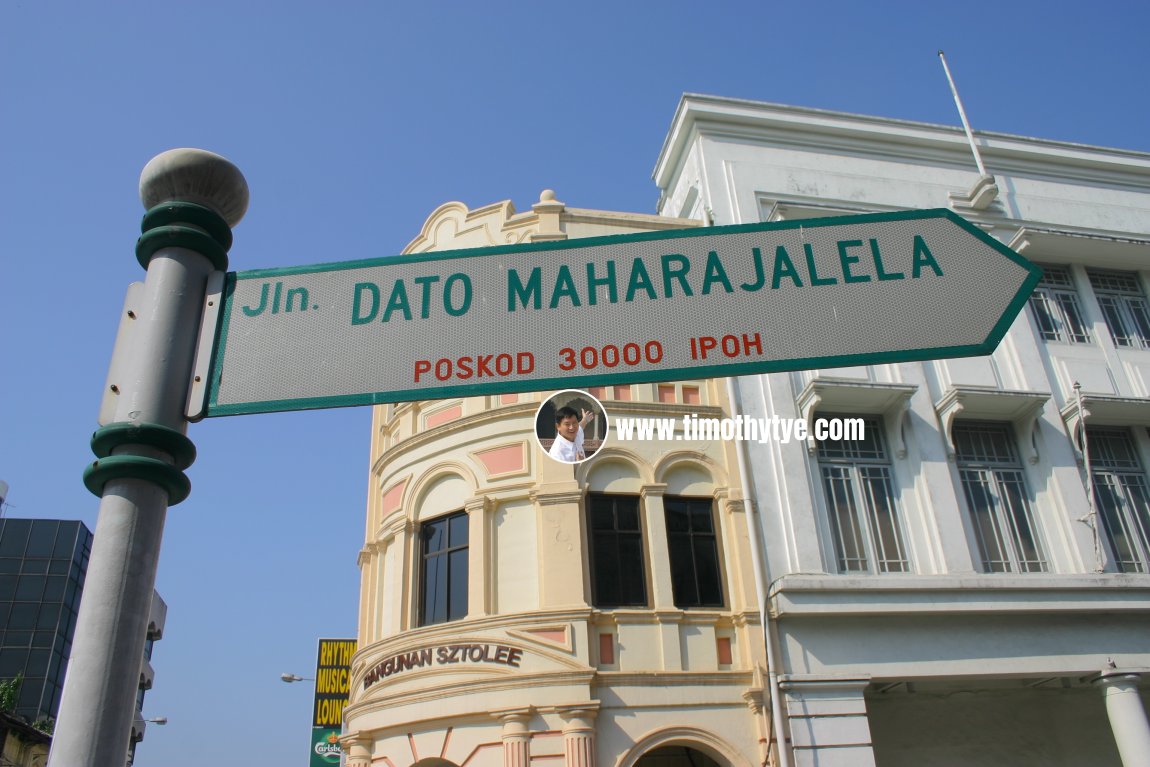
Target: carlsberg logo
328,752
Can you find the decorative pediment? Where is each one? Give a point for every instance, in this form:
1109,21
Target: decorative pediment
1021,408
831,395
1066,246
452,226
1103,410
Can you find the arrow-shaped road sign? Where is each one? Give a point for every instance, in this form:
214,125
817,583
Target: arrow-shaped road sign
689,303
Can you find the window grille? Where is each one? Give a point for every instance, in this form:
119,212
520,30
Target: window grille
1123,307
864,520
1054,305
1122,497
996,494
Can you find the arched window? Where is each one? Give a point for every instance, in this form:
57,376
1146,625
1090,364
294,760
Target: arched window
676,756
443,555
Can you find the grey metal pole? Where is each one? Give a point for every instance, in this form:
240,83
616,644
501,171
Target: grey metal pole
193,199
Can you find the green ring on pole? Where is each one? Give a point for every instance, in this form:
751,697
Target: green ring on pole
180,212
153,470
108,438
180,237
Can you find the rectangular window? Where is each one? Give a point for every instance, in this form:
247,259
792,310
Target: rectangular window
1123,306
618,576
694,553
860,504
444,557
1054,304
996,494
1121,497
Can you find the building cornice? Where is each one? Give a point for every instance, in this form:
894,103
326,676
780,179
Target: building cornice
656,678
820,596
829,131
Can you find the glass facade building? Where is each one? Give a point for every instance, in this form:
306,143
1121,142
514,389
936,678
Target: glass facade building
42,566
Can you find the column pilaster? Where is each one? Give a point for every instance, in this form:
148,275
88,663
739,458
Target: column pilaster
1127,716
651,498
828,722
358,749
516,737
478,567
579,734
561,560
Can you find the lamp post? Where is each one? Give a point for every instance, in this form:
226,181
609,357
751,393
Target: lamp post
289,678
193,199
138,736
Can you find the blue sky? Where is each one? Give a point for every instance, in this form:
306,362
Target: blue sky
352,121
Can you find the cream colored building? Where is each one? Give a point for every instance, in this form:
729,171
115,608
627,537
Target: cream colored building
496,626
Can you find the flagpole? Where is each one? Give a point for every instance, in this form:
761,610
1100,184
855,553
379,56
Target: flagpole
1092,515
962,114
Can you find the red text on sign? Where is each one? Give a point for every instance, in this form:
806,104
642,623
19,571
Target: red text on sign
610,355
728,346
479,366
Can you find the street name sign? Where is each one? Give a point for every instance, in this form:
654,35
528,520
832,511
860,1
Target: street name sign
654,306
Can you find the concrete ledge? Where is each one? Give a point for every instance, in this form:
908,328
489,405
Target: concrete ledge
795,596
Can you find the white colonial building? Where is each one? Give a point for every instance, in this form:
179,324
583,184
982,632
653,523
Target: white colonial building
970,584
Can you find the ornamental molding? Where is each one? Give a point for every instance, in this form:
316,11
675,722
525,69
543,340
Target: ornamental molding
854,397
1022,408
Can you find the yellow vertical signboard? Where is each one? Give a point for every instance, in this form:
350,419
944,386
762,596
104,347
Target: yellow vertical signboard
332,687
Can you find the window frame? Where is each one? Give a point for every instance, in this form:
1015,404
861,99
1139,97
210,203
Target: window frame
857,470
1134,522
595,552
1124,309
1003,471
1056,308
451,573
696,539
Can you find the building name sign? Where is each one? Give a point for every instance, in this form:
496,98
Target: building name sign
443,655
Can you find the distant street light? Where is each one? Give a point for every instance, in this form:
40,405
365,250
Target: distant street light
138,736
293,678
